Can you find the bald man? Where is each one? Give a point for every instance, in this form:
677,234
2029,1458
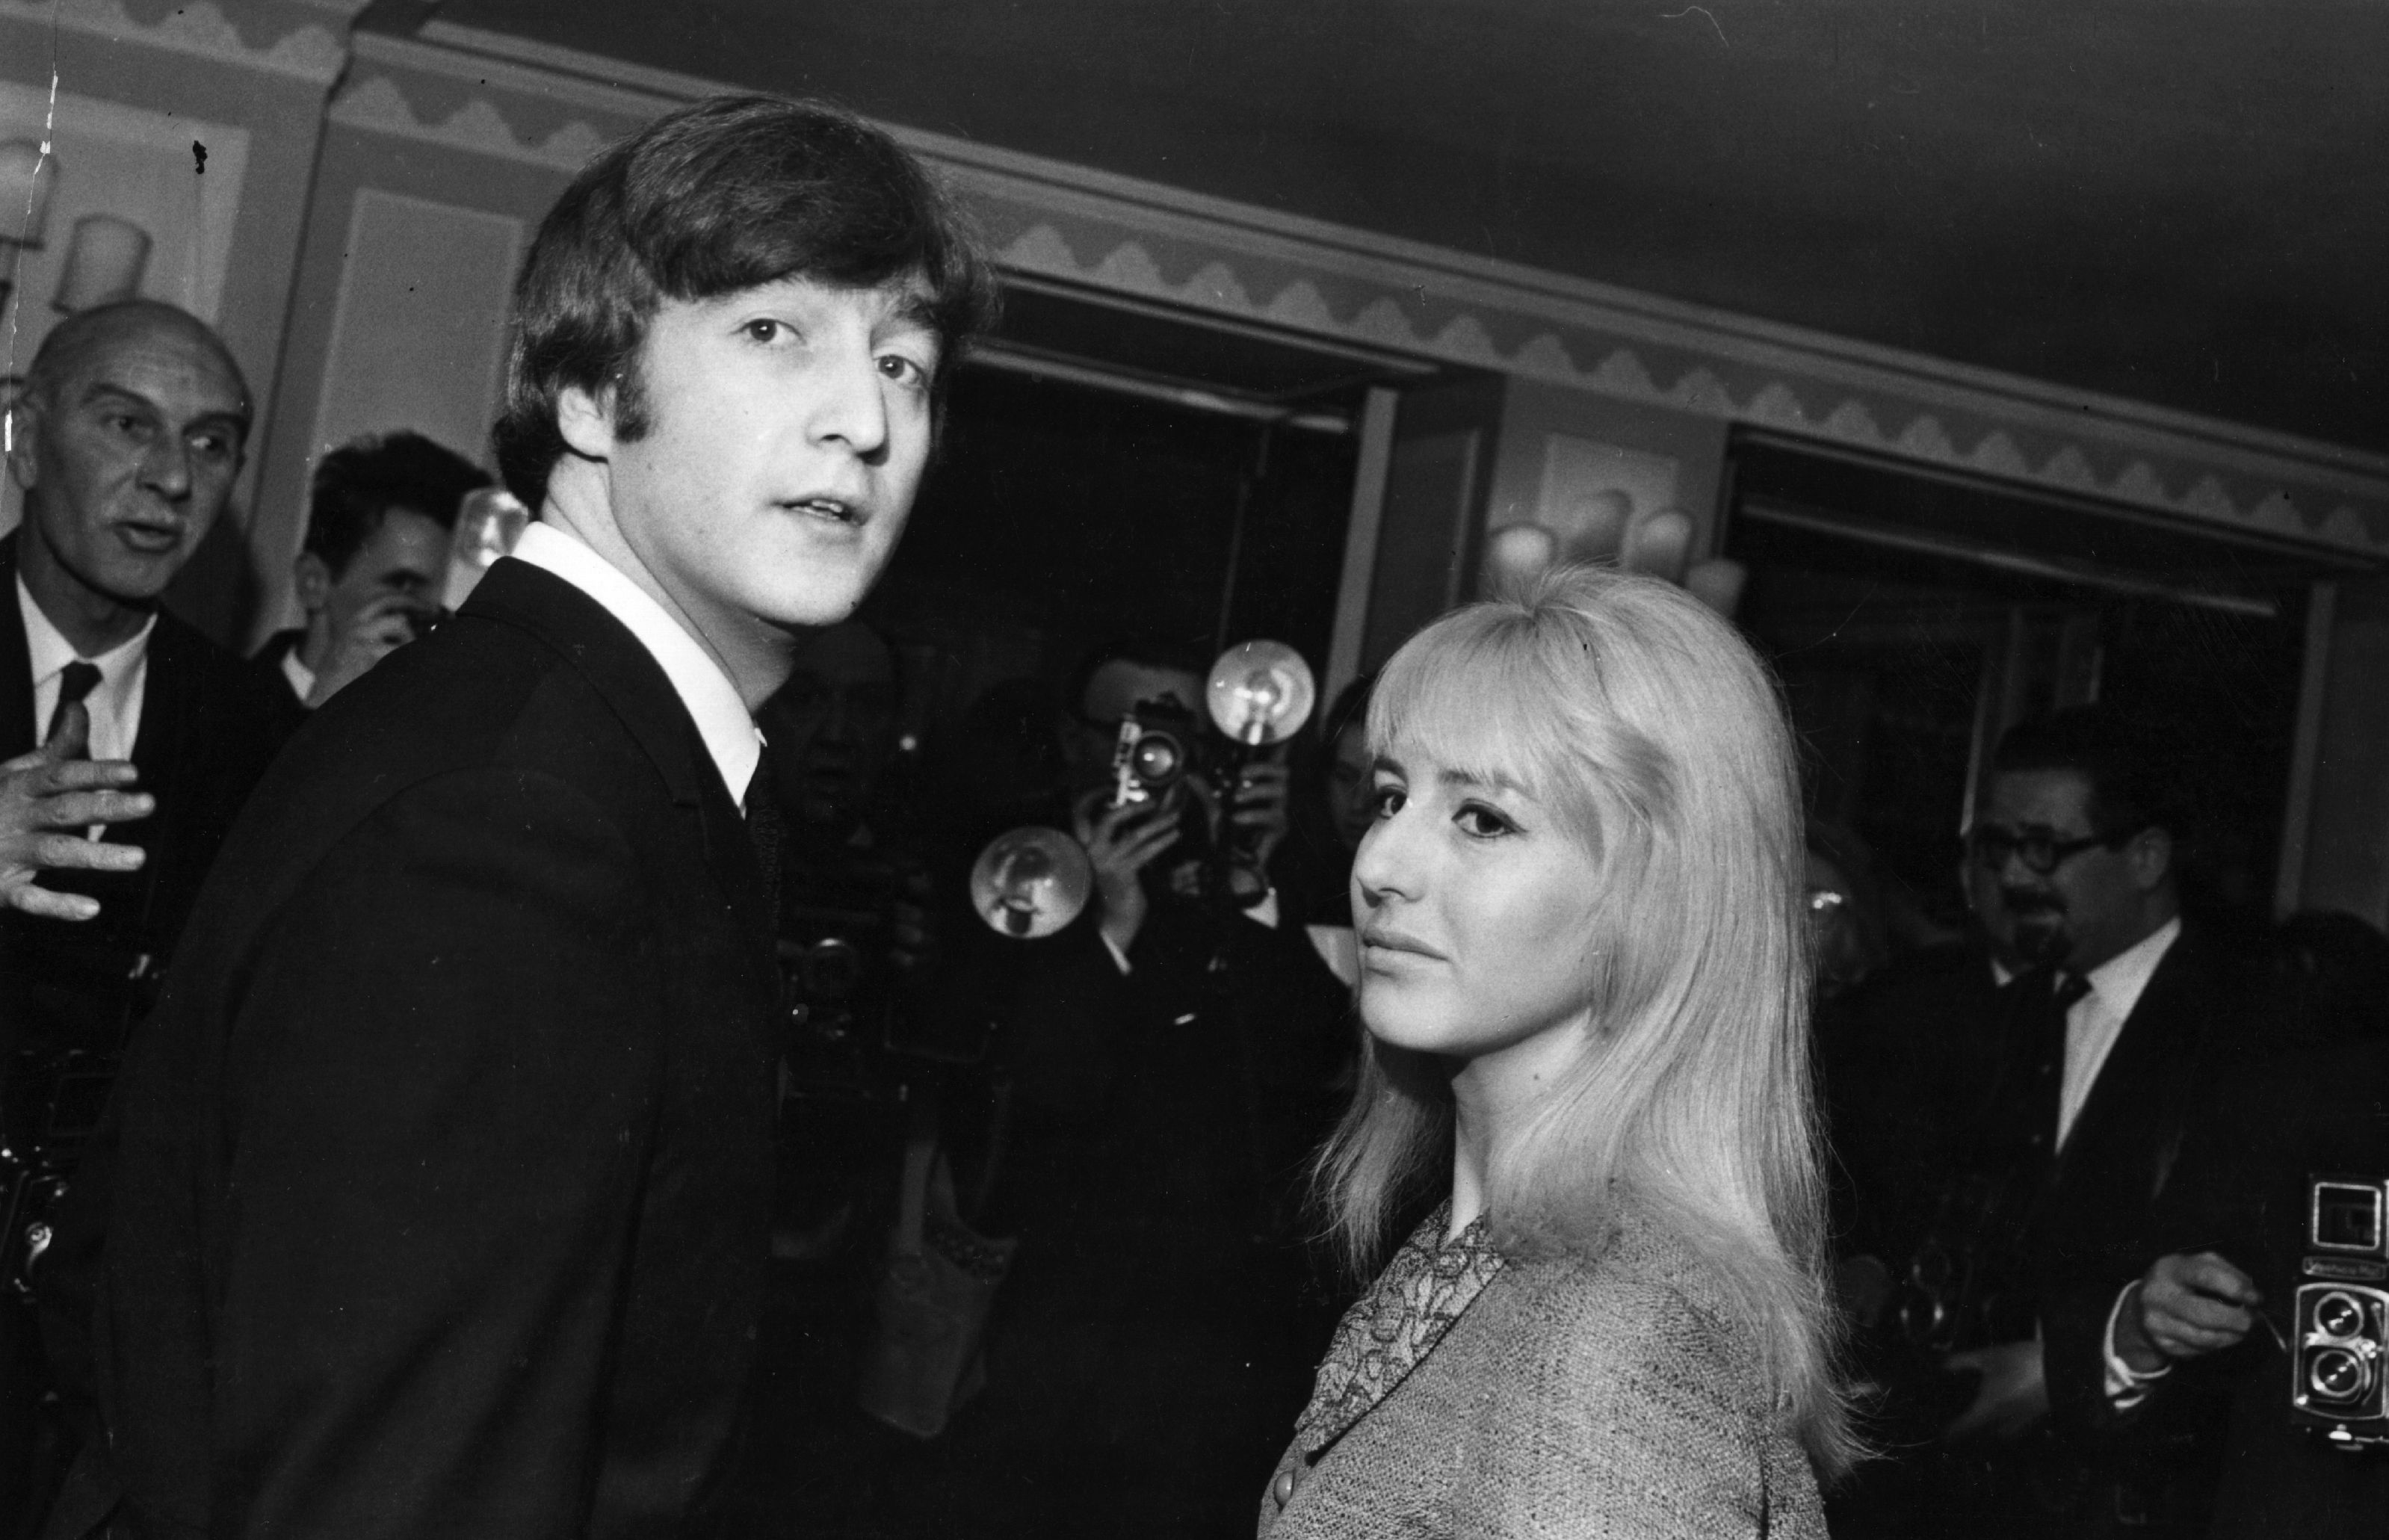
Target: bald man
126,438
128,435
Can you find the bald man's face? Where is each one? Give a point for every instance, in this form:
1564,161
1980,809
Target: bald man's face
127,454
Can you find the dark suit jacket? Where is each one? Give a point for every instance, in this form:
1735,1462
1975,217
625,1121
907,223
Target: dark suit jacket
440,1197
209,725
2241,1191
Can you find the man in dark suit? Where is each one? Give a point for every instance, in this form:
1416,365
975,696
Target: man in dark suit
126,439
2062,1064
2142,1013
370,568
130,433
439,1201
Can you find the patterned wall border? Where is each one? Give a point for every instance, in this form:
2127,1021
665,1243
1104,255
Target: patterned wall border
305,50
1116,235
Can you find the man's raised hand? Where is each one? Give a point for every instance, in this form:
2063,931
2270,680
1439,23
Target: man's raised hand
49,800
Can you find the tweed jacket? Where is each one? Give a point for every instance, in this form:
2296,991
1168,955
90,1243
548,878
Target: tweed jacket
1600,1396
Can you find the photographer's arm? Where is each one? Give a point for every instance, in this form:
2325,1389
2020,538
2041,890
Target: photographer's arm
1120,843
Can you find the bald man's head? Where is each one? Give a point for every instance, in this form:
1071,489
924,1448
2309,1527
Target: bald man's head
128,437
72,342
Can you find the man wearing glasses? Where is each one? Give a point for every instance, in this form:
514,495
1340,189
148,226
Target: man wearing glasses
2123,1014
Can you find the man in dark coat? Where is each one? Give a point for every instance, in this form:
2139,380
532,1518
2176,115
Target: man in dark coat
440,1195
126,439
2114,1017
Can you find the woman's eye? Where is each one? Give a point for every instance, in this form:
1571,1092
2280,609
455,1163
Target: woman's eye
763,331
1482,822
1385,801
904,371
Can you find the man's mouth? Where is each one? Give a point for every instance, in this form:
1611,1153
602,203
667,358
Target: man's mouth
151,538
837,510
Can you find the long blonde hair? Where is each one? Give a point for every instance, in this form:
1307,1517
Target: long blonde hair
1660,736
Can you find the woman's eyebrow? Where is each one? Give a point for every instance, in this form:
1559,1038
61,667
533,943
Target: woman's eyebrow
1497,779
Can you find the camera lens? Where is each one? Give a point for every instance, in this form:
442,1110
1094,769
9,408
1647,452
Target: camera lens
2335,1374
1158,759
2338,1315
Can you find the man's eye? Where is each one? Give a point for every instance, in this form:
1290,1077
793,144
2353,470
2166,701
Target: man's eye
215,446
764,330
127,423
1481,821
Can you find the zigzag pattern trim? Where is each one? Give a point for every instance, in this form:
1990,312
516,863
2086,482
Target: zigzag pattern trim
1802,406
376,104
309,52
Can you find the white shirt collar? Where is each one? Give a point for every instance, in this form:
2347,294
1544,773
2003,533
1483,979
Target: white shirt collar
2118,980
730,735
114,702
302,677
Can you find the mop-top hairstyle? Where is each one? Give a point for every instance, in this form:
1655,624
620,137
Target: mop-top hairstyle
720,196
1657,735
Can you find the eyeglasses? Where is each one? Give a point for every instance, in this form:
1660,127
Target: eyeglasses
2040,852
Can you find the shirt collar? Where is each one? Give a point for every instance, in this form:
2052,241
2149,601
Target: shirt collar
2119,980
51,652
730,739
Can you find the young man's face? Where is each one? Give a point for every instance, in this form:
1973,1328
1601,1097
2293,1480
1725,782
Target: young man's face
787,428
405,560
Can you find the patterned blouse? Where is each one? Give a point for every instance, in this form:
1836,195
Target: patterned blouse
1397,1324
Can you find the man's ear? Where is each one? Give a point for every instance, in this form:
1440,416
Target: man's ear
313,580
24,428
2150,853
585,419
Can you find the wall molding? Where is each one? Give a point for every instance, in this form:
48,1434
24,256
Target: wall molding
1105,233
307,50
375,103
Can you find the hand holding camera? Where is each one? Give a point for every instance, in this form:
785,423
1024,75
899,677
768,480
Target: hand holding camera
1121,840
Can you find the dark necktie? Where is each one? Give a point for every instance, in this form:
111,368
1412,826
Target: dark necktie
2049,996
78,679
764,830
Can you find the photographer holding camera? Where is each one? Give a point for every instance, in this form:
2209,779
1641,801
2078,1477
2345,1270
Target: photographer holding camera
368,574
1154,1334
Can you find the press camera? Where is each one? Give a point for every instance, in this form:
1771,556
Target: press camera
2337,1385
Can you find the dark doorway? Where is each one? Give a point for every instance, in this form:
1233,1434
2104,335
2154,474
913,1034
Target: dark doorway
1912,618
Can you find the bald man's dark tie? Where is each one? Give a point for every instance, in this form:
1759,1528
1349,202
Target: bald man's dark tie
75,682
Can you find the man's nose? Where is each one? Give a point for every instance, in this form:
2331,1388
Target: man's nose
852,408
166,468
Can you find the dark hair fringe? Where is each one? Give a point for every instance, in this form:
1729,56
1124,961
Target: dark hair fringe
719,197
356,486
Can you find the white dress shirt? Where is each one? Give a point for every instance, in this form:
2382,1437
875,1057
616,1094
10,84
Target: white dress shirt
114,703
2094,1021
730,735
2092,1028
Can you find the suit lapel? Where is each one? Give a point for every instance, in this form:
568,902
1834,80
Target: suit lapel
1413,1303
605,653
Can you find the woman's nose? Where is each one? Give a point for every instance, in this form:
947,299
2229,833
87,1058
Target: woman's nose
1385,865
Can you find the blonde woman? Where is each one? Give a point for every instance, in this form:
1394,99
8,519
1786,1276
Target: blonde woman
1584,977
